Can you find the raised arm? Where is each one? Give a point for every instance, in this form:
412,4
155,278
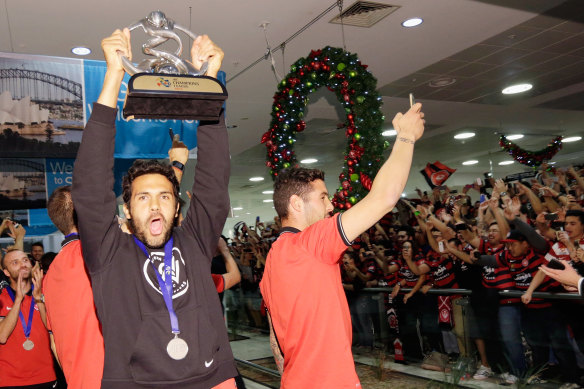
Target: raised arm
391,178
210,197
93,177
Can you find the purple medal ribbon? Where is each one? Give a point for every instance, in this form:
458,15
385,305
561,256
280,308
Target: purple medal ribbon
26,327
166,283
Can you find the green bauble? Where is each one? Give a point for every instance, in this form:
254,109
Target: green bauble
385,144
293,68
357,136
354,177
308,84
352,200
313,75
283,82
290,141
352,73
341,66
360,99
286,165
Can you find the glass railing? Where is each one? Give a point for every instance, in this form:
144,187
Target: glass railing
444,337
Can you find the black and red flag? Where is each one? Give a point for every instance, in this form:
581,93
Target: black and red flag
436,173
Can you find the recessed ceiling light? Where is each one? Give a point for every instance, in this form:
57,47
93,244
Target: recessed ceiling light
80,50
268,201
389,133
268,192
464,135
403,195
471,162
237,208
412,22
572,139
309,160
503,163
256,179
551,163
441,82
515,136
516,89
248,213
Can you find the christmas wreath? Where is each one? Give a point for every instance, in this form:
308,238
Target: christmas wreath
531,158
355,87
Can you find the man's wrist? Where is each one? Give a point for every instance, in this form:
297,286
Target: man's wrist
179,165
406,140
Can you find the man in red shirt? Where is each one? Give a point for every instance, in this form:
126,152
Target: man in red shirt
70,309
302,287
25,354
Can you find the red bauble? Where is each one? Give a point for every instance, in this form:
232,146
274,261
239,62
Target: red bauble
348,205
350,162
346,184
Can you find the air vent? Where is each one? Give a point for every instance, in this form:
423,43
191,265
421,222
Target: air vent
364,13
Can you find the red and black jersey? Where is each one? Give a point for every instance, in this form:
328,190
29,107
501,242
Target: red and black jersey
496,277
405,273
389,279
442,269
369,266
523,269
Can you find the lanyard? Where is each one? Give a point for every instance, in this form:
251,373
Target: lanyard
166,283
26,327
71,234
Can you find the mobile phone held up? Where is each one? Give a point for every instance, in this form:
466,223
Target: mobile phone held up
555,264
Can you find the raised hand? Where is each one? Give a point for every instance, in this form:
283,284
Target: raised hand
204,50
410,125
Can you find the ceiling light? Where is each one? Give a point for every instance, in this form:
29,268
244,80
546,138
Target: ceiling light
268,201
464,135
256,179
237,208
80,50
551,163
412,22
503,163
268,192
572,139
441,82
389,133
309,160
515,136
471,162
248,213
510,90
404,195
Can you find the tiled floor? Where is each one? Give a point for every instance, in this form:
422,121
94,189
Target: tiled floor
257,346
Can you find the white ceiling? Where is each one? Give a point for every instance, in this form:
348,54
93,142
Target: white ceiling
390,50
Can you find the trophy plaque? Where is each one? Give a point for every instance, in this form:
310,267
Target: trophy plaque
166,86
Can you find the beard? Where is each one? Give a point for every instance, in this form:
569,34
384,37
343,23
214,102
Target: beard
141,230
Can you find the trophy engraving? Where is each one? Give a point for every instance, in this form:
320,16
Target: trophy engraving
166,86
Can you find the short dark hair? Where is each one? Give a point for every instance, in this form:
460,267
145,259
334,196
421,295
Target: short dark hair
4,256
293,181
408,230
47,259
576,213
61,210
40,244
142,167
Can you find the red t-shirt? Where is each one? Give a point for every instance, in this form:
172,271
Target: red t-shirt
19,367
219,282
303,292
72,318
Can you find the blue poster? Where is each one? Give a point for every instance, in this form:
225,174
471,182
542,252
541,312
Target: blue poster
59,172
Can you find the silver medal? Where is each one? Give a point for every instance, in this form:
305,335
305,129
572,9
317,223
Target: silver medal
28,345
177,348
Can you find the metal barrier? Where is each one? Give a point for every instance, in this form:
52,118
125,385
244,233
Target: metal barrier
468,292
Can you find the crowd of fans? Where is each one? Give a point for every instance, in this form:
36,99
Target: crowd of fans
444,241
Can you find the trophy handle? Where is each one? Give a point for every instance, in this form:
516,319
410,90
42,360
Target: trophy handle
129,67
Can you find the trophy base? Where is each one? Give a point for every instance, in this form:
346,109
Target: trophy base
182,97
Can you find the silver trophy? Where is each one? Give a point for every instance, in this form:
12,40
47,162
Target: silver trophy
162,29
166,86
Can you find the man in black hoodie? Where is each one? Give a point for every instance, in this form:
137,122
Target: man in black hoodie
140,280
